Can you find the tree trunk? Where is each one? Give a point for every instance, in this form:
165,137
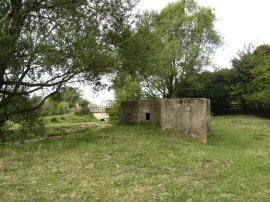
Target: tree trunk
2,131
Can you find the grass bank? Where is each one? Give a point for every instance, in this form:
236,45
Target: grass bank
142,163
59,125
68,119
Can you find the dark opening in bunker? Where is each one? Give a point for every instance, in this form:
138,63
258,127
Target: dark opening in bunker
147,116
129,116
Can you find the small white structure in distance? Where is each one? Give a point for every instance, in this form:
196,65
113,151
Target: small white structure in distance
100,111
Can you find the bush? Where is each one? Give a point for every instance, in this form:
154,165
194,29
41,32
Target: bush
54,119
84,110
115,112
21,130
29,130
5,132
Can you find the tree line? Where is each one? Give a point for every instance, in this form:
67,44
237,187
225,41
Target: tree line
169,53
246,85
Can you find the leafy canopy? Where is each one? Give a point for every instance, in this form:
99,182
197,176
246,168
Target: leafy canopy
44,44
168,47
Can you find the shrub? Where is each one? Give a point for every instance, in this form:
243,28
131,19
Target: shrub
54,119
115,112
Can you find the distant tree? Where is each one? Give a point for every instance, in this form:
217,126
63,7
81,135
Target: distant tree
125,89
253,79
218,87
67,94
62,107
66,97
243,65
49,107
259,86
84,109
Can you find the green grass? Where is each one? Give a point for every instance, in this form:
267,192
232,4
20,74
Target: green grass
69,124
62,120
69,119
60,125
142,163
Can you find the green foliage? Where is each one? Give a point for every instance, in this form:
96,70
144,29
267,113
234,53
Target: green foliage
63,118
167,47
259,87
28,124
83,110
84,103
68,119
61,103
218,88
45,44
54,119
49,107
187,30
30,129
59,125
247,83
253,78
126,89
5,131
67,94
243,65
115,112
62,107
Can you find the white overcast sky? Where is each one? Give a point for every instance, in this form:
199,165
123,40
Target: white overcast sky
239,22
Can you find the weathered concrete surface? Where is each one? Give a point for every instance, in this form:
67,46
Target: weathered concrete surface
101,116
135,111
190,116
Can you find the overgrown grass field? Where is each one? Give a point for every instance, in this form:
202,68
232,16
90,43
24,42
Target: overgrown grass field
68,119
142,163
59,125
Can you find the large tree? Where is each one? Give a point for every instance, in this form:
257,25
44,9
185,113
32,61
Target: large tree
185,38
141,55
46,43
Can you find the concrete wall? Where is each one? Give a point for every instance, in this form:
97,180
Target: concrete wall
190,116
136,111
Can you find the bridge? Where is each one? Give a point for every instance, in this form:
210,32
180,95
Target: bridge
100,111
